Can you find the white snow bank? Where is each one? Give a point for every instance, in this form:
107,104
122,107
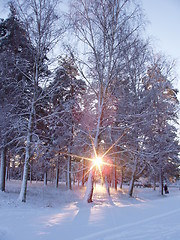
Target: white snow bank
58,214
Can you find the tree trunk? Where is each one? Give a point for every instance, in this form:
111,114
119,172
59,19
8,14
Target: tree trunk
3,169
52,174
121,178
90,184
107,185
154,184
83,174
21,169
45,178
57,176
131,185
115,177
8,170
22,195
161,182
90,188
30,174
69,173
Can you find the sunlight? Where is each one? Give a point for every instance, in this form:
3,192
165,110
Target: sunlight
98,161
68,212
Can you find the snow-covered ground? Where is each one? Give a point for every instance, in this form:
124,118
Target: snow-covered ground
58,214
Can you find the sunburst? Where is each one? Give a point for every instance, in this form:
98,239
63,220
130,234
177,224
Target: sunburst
97,161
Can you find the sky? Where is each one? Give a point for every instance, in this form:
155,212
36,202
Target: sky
163,27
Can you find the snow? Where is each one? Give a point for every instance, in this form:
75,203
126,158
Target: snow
60,214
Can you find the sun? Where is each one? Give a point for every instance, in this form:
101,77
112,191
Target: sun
98,161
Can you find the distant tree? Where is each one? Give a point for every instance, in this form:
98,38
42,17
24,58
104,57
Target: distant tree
65,94
162,134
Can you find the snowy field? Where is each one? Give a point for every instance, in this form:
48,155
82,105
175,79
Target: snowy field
58,214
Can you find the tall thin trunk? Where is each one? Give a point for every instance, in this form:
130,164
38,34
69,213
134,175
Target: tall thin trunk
161,182
121,178
7,174
45,178
90,188
30,174
131,185
8,170
154,183
107,185
52,174
22,195
115,175
69,186
57,175
115,178
3,169
90,185
83,174
69,175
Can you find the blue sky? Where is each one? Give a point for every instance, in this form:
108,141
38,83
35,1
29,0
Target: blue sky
164,27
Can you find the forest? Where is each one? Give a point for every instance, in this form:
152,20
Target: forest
84,83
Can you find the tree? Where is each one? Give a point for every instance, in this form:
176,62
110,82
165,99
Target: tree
14,57
39,19
162,131
106,29
65,101
131,115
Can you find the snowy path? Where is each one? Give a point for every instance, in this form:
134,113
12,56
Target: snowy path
124,219
160,226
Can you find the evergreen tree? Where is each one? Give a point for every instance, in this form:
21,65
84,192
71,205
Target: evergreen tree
15,57
162,134
65,94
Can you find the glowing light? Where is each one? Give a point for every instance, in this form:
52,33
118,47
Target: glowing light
98,162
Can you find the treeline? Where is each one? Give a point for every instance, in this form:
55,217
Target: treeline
108,94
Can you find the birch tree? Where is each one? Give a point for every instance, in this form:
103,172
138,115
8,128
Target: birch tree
106,30
131,111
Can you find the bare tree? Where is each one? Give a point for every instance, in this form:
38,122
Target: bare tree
106,30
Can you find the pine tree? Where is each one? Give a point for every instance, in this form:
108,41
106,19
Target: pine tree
65,98
15,57
163,132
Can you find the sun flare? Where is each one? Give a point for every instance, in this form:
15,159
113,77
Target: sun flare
98,161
